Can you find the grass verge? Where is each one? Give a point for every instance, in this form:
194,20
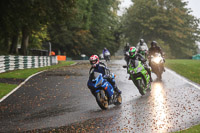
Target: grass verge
194,129
6,88
191,70
187,68
23,74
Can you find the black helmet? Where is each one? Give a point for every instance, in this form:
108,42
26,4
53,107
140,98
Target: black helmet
153,43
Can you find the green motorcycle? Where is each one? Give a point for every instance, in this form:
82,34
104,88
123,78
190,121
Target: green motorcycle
139,76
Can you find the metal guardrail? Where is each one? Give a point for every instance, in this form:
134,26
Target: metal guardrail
11,62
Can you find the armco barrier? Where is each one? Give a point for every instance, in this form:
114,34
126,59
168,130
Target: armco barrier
11,62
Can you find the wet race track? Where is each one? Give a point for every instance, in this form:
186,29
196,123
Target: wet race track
59,100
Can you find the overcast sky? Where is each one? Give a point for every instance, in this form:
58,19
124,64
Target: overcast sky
193,4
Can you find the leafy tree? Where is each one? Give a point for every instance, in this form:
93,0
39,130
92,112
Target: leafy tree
21,18
93,27
105,25
167,21
73,27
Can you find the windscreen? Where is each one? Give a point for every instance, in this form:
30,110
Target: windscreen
134,63
96,74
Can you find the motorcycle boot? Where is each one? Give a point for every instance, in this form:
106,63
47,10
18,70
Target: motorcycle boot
117,90
112,81
149,72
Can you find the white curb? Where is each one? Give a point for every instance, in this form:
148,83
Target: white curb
183,78
20,85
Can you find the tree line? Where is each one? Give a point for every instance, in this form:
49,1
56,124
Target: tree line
73,27
77,27
169,22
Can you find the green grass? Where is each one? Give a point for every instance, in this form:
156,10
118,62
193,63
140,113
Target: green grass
6,88
187,68
23,74
191,70
194,129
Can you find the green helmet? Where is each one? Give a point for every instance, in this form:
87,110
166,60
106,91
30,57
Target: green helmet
132,52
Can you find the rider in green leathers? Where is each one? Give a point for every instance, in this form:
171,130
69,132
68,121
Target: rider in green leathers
133,55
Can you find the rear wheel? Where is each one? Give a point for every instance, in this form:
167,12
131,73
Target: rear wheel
102,100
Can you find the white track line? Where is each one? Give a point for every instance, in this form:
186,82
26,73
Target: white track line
3,98
20,85
183,78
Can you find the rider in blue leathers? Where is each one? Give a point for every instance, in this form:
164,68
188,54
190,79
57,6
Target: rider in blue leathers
104,51
101,68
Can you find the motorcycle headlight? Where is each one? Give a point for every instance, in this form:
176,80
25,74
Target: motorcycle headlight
156,60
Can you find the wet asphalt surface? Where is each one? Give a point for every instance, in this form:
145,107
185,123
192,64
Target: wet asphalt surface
59,101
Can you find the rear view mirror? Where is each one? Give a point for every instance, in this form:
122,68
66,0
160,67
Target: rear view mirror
124,66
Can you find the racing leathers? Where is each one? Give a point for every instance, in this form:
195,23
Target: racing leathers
101,68
143,60
142,47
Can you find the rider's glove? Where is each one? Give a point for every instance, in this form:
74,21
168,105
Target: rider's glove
105,76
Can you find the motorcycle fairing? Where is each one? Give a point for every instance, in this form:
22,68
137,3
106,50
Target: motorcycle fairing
100,82
136,70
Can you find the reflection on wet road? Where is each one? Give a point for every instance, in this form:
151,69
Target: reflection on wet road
59,101
159,110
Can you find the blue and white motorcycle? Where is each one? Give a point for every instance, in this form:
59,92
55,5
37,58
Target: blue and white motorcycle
104,91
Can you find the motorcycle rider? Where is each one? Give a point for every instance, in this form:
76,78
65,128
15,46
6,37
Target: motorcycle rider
97,66
142,46
104,51
126,49
155,49
133,55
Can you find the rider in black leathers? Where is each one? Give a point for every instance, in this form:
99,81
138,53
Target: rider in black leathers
155,49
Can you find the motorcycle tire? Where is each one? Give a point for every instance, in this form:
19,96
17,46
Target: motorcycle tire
102,100
159,74
119,100
140,85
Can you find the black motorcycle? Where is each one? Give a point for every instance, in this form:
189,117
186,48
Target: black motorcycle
157,65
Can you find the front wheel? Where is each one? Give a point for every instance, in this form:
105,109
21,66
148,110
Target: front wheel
119,100
159,73
102,100
140,84
159,76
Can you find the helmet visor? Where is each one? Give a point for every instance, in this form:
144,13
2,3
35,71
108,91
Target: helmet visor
93,62
132,54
